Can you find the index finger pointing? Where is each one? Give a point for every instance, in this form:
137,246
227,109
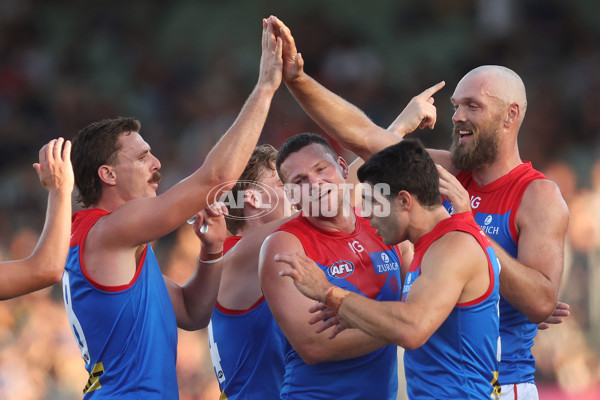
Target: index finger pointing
427,93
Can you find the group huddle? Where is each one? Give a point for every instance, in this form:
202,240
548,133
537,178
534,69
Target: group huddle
456,256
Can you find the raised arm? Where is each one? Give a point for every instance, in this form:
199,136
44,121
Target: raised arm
531,282
290,309
343,121
45,265
143,220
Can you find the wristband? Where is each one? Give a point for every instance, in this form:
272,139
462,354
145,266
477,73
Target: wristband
216,260
212,252
334,298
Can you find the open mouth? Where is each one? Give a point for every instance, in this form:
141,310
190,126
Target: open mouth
463,133
323,194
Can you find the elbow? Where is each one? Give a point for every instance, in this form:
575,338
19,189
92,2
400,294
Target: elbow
56,276
410,338
195,325
52,274
411,343
542,311
311,355
225,182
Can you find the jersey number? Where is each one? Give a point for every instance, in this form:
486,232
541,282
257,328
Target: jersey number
73,321
214,354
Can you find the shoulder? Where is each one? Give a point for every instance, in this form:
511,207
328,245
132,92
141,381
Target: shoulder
280,238
443,251
277,242
542,198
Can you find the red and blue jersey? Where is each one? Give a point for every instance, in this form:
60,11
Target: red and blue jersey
494,208
460,359
127,334
359,262
247,349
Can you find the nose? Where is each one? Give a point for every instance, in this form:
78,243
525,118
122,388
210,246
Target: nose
313,179
156,165
459,115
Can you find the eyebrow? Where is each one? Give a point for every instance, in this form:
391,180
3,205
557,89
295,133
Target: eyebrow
141,153
302,174
468,99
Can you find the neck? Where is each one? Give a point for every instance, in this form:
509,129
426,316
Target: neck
424,219
344,221
108,204
508,158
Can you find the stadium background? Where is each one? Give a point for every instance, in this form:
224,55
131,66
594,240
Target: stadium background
185,68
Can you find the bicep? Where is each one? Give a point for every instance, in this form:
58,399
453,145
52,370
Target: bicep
146,219
435,293
290,309
288,305
542,220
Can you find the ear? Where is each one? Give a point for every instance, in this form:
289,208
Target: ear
403,200
252,198
344,166
107,175
512,115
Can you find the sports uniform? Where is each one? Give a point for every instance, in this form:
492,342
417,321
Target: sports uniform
362,263
494,208
247,349
460,359
127,334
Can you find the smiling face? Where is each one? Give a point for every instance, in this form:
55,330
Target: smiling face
317,177
135,168
478,123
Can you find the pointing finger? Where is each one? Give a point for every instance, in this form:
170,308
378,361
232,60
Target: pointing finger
427,93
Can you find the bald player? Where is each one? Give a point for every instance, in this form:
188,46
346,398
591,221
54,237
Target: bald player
522,211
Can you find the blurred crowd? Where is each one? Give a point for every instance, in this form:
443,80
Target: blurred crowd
184,69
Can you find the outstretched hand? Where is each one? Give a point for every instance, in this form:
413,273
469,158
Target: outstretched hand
54,167
270,62
293,64
418,113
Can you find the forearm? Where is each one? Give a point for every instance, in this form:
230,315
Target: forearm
525,288
229,156
50,254
44,267
386,321
343,121
200,292
221,168
316,348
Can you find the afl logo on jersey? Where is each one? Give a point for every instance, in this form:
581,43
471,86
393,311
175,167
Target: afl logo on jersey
340,269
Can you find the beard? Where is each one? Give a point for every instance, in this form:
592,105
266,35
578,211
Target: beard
481,152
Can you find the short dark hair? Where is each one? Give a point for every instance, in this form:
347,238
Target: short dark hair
404,166
297,142
262,158
95,145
